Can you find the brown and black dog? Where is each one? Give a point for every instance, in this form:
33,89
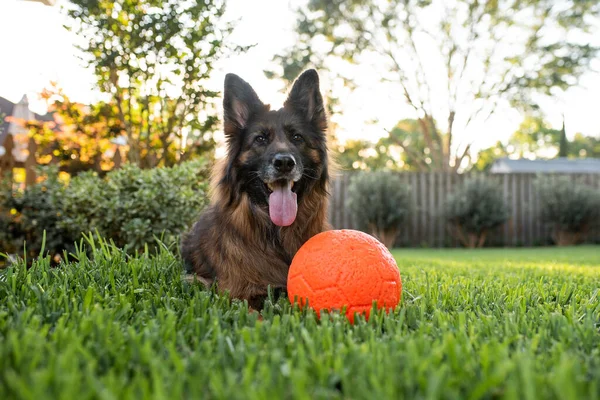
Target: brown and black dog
269,194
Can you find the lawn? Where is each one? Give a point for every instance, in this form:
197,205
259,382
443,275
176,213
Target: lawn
518,323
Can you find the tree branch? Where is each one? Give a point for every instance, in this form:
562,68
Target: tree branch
459,159
417,157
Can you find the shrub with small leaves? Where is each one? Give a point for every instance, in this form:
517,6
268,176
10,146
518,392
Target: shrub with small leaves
26,214
379,203
10,228
474,209
570,207
132,206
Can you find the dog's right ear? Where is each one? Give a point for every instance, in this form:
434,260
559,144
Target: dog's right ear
240,102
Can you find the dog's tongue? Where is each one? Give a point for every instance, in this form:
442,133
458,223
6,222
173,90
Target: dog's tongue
283,205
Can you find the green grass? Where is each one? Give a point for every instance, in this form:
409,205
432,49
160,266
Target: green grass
521,323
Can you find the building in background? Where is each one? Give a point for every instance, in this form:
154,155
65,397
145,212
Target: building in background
555,165
10,115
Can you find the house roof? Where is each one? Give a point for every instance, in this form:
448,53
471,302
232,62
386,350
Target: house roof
556,165
6,110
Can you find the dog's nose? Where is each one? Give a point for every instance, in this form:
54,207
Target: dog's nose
284,162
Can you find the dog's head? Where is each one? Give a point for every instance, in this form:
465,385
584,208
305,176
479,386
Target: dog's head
275,157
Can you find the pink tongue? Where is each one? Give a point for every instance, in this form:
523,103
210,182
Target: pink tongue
283,206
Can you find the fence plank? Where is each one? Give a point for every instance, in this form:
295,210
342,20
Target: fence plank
439,214
405,229
431,211
415,214
424,209
345,214
507,200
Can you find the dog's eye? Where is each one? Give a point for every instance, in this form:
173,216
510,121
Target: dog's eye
260,139
297,138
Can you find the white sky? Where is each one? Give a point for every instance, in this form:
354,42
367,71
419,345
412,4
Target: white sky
37,49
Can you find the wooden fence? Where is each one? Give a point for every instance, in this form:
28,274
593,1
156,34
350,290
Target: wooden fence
427,226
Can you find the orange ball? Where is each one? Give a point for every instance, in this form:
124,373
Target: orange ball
344,268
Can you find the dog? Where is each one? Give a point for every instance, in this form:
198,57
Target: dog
269,195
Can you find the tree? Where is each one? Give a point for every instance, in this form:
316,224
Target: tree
351,155
79,137
569,206
584,146
416,155
486,157
487,52
475,209
563,146
153,58
379,203
535,138
399,151
364,155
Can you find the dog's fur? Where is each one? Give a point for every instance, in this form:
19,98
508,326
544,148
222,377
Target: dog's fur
235,243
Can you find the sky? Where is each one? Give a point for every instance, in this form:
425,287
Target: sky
36,49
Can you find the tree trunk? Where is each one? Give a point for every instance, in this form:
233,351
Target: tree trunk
482,239
565,238
470,240
387,237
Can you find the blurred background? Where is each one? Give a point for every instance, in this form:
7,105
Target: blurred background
506,87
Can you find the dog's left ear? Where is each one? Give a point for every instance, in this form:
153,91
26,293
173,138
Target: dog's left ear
305,99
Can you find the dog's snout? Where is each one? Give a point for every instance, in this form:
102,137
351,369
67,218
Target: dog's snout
284,163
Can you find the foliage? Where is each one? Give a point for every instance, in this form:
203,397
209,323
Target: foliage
153,57
563,144
474,209
379,203
584,146
416,155
535,138
399,151
416,42
570,207
9,228
133,206
130,206
361,155
486,157
523,322
25,215
79,137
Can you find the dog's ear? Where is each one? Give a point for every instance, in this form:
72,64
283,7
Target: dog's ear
305,99
240,102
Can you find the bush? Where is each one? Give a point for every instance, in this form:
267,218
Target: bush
130,206
379,203
571,208
474,209
26,214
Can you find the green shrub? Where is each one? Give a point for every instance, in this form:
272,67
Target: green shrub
26,214
129,206
570,207
379,203
474,209
8,228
